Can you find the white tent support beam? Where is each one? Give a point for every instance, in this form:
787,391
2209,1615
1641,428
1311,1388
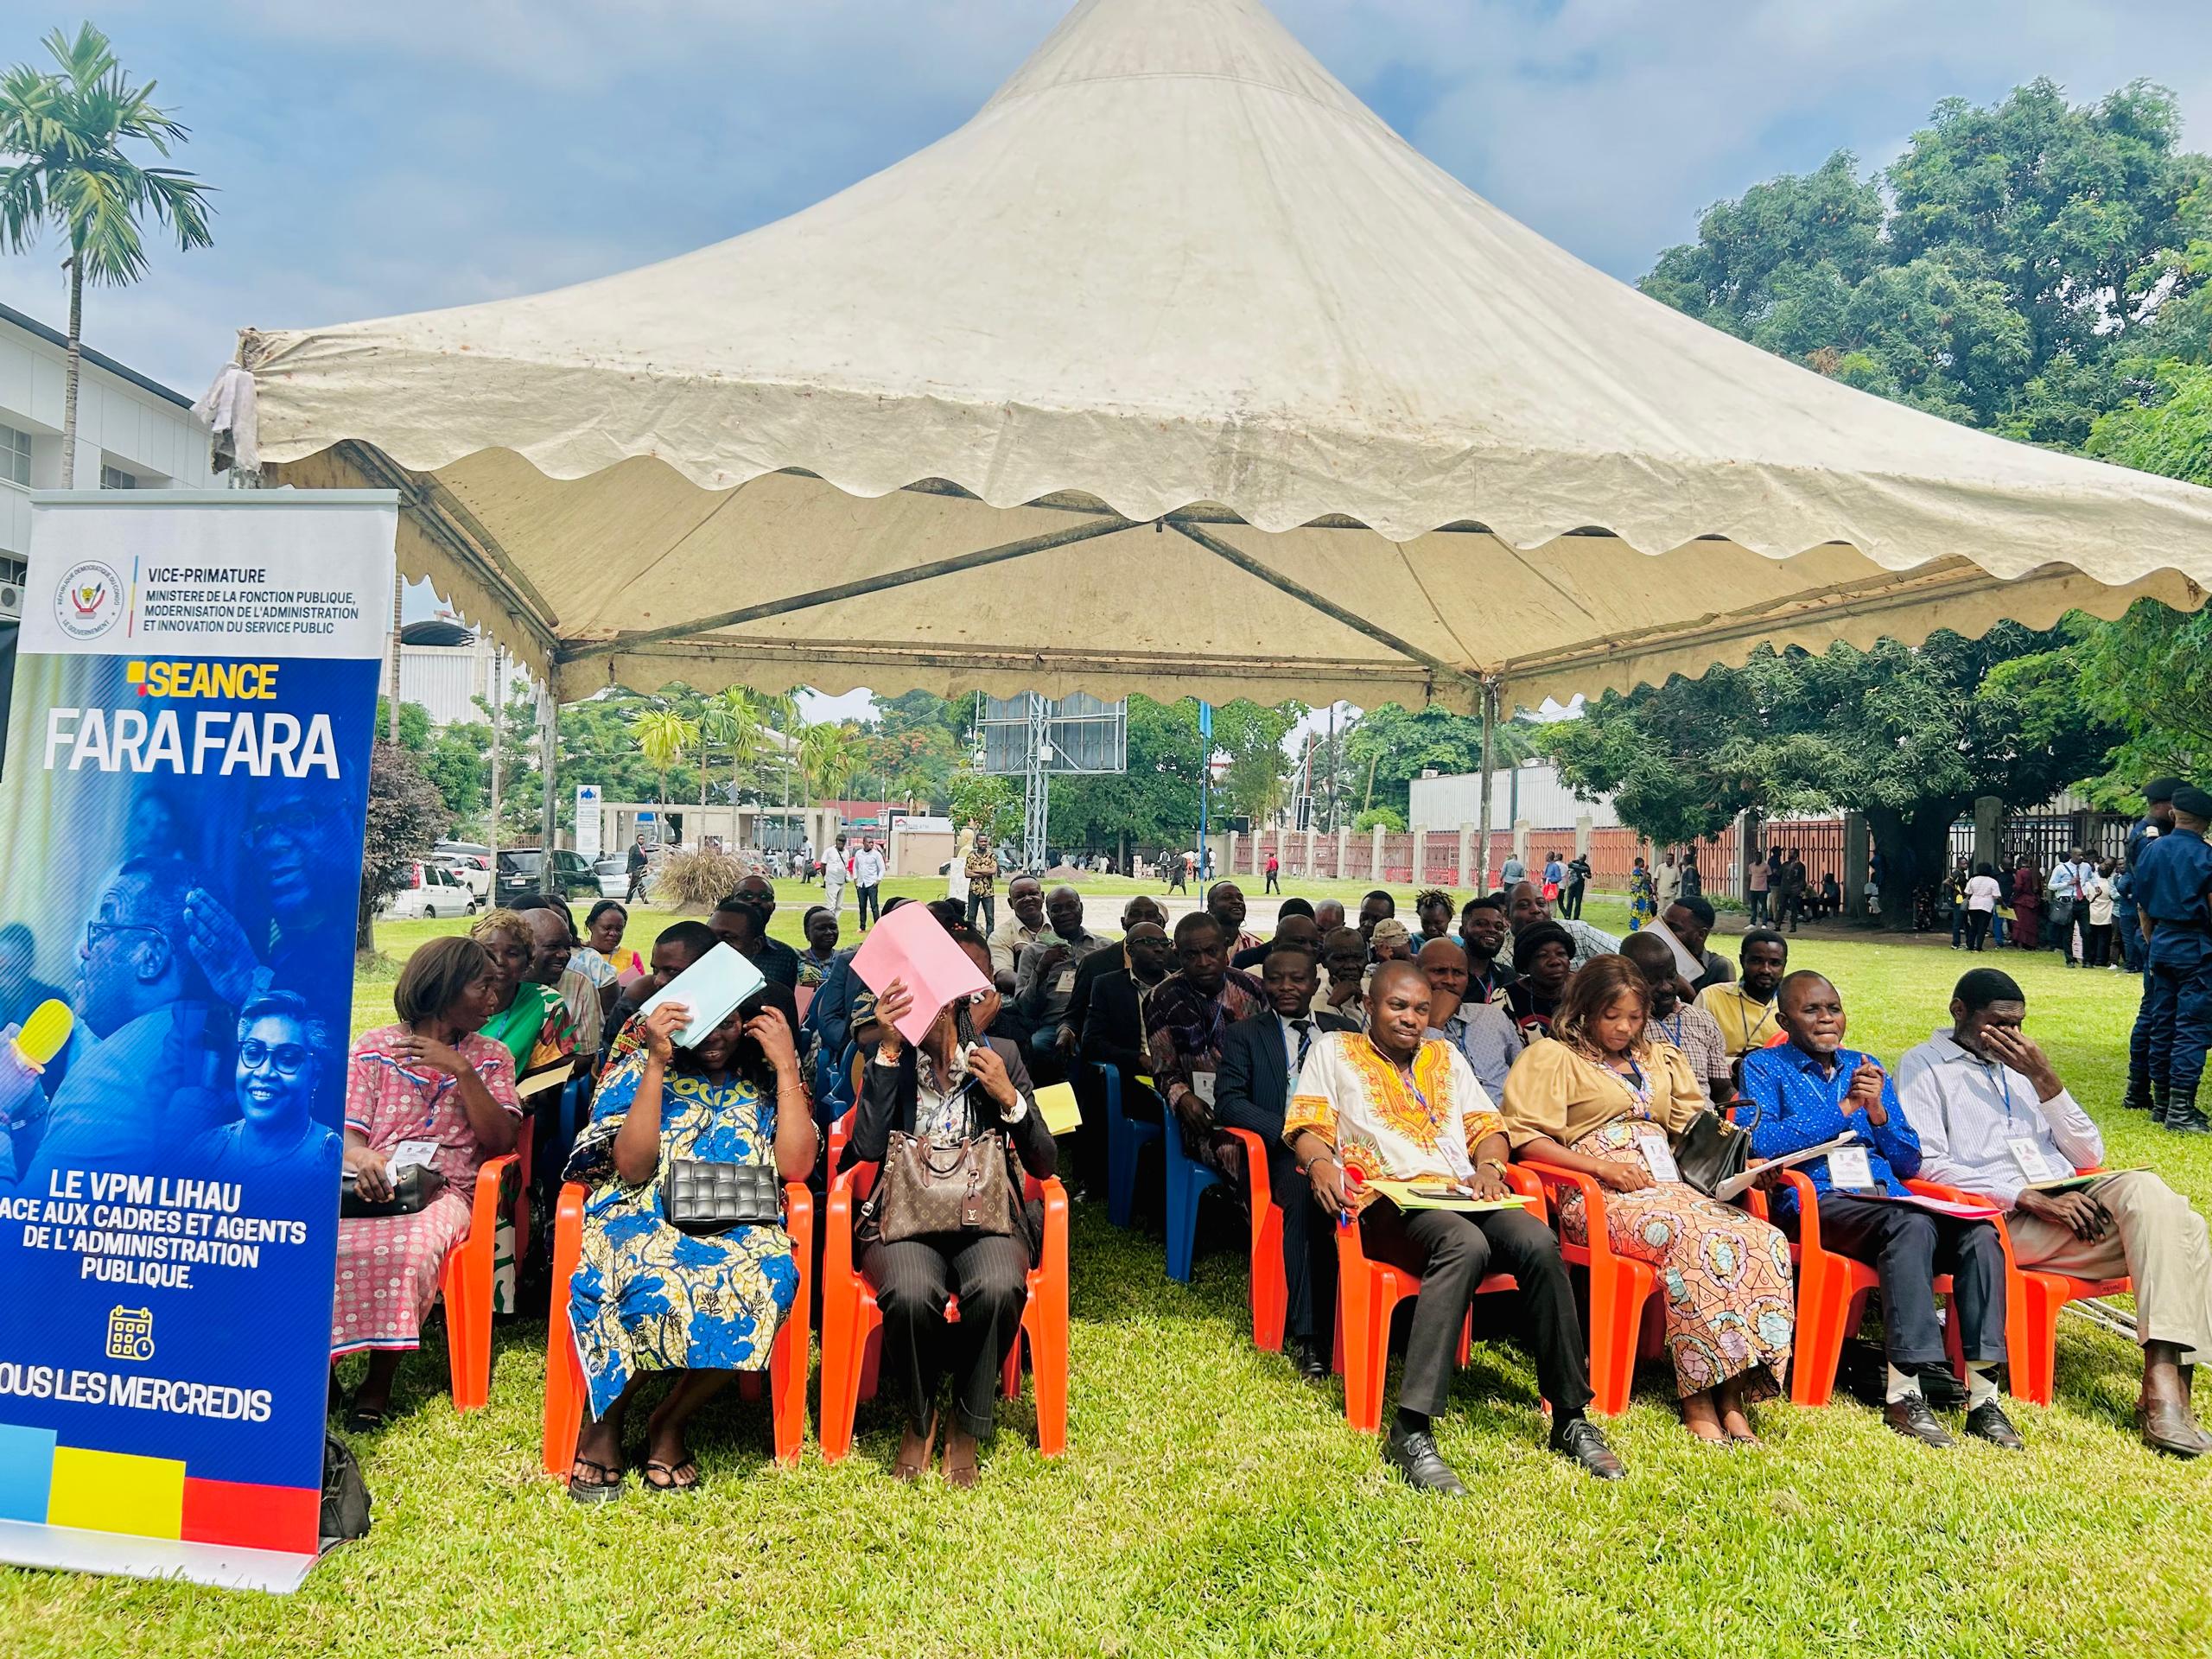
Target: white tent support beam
1480,879
1328,607
807,601
549,777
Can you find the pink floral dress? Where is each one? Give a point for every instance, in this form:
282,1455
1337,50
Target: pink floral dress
388,1266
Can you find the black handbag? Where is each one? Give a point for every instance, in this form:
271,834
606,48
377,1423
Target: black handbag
700,1197
1710,1150
413,1190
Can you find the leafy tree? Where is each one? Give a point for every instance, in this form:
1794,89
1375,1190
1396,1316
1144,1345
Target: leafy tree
664,737
1909,736
2026,250
1386,818
993,802
63,165
405,816
1387,747
829,755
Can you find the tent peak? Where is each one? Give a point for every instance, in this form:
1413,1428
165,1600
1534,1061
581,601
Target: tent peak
1238,41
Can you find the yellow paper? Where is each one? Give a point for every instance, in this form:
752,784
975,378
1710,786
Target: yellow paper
1401,1194
1055,1105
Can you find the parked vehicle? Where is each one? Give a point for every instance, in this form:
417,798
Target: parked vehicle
522,871
432,891
471,862
613,874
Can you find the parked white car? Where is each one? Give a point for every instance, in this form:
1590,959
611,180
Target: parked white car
613,874
432,891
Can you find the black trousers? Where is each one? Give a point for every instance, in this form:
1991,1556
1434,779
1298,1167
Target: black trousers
1309,1250
1570,900
985,905
912,1279
1272,887
1978,927
871,910
1907,1247
1452,1253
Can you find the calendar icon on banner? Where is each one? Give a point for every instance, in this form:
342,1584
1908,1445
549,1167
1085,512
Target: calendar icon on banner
131,1333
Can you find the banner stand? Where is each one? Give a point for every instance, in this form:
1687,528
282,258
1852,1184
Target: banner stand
183,805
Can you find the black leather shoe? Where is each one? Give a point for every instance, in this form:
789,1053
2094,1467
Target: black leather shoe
1415,1457
1312,1361
1987,1421
1585,1442
1910,1416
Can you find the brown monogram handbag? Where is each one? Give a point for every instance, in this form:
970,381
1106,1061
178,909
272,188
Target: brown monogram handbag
928,1187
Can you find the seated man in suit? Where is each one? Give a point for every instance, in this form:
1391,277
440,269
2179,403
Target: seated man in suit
1995,1120
1114,1034
1260,1061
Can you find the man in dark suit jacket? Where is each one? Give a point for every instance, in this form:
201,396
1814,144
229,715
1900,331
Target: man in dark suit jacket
1252,1091
1096,966
1114,1034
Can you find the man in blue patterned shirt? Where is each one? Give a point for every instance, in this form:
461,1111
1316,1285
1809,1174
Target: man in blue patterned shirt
1812,1089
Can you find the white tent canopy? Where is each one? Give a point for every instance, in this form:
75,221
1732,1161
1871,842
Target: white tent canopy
1175,370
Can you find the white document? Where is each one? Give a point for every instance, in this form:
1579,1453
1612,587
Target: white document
1202,1086
1688,965
709,987
1735,1185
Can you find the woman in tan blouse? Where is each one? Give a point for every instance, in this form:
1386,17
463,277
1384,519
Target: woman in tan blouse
1596,1098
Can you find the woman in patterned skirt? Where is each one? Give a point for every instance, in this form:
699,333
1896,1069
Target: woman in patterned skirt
431,1085
1592,1098
647,1298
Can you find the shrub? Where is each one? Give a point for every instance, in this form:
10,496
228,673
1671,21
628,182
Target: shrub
1387,818
696,880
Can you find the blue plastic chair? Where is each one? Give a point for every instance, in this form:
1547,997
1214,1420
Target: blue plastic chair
1124,1135
1187,1179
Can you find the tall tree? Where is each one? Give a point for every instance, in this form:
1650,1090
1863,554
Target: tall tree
664,737
1907,735
65,165
2023,248
405,816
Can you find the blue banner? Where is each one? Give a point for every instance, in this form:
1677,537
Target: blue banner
182,806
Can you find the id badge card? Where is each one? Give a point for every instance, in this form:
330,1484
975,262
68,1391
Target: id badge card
1202,1086
1658,1156
2034,1165
1848,1167
411,1154
1064,981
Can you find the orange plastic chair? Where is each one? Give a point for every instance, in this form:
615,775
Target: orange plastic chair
566,1395
2033,1301
1368,1292
464,1282
1624,1322
1832,1293
852,1324
1270,1289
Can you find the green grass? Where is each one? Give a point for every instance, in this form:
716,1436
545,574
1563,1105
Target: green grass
1210,1504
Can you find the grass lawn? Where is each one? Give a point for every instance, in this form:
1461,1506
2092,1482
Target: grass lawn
1210,1504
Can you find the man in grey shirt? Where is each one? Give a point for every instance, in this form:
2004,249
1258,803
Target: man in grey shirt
1044,978
1481,1030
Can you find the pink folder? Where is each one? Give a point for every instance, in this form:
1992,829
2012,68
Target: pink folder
909,943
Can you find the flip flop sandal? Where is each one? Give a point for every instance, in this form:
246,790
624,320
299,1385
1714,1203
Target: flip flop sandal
966,1470
910,1472
605,1485
675,1475
366,1420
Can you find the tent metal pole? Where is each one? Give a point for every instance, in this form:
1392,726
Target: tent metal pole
1481,877
549,764
1328,607
807,601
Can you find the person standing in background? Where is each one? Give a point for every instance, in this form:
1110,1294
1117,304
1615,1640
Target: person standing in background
982,883
1577,878
637,865
1666,882
1274,869
868,881
836,869
1755,881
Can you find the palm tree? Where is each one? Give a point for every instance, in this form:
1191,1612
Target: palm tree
912,783
731,720
63,136
830,758
663,738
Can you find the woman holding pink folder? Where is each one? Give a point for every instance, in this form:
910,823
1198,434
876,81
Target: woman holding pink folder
956,1084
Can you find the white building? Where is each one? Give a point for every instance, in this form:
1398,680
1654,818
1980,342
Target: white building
1530,794
132,433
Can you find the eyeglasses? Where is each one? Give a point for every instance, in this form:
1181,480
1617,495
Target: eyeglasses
96,933
287,1058
292,823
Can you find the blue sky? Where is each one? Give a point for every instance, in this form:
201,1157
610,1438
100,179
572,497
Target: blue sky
386,158
390,157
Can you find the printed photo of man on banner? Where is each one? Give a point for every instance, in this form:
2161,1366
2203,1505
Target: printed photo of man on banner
183,800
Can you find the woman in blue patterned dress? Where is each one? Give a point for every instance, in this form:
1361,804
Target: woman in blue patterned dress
647,1298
